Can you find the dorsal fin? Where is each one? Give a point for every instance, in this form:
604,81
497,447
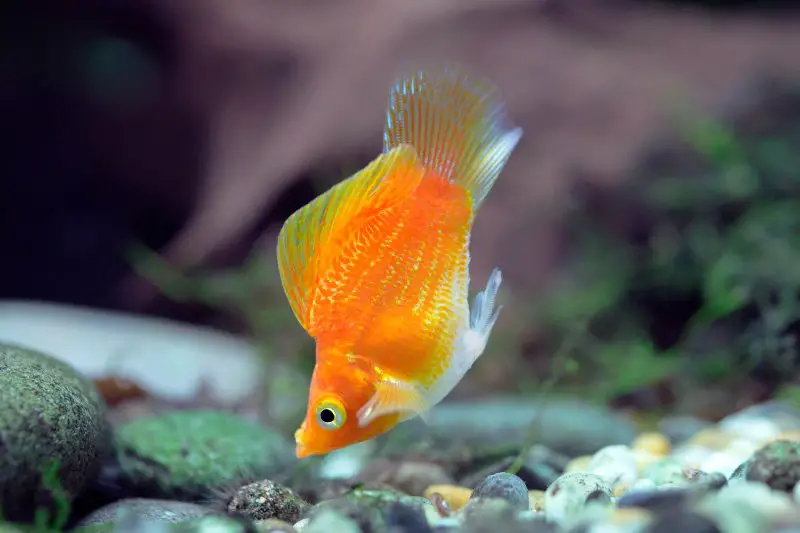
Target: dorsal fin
457,125
388,179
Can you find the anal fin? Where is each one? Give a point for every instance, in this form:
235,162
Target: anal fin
392,396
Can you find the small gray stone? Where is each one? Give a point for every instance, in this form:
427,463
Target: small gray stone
328,521
51,416
273,526
683,522
571,492
506,486
169,511
264,500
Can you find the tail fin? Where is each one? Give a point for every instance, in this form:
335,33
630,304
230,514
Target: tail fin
458,126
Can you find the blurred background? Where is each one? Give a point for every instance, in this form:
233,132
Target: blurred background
648,224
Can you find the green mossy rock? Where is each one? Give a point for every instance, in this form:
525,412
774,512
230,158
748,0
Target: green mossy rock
190,454
48,413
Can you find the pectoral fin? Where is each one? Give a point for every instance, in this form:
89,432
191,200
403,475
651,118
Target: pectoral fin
392,396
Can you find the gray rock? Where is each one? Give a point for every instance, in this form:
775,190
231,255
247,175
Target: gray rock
273,526
570,426
505,486
683,522
777,465
264,500
167,511
570,493
49,416
188,454
327,521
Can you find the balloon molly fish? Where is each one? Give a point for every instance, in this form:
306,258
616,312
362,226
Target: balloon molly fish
376,269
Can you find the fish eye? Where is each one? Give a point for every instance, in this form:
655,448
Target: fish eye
330,414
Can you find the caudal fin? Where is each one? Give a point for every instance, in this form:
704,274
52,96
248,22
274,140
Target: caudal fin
457,125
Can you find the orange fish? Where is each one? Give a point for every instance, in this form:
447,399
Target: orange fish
376,269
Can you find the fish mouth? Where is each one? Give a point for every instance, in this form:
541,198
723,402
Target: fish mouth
302,451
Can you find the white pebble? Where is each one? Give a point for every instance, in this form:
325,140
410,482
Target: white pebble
796,492
567,495
643,484
327,520
616,465
745,507
723,462
751,428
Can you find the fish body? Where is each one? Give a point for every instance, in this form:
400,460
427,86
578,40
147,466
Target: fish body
376,269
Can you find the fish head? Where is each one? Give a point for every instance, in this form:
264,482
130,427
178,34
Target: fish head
336,395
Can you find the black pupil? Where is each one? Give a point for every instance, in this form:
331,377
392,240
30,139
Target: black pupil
327,416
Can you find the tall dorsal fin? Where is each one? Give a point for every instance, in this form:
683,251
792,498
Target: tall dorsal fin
308,232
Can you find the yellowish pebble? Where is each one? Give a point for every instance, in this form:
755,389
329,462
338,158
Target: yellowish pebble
536,500
579,464
652,442
620,489
455,496
645,459
630,515
712,439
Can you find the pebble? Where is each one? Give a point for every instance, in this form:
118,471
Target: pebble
777,465
264,500
328,521
745,507
571,492
655,443
273,526
50,416
455,496
536,500
506,486
154,510
616,465
682,522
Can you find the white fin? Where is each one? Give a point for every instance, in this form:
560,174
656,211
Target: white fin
483,316
392,396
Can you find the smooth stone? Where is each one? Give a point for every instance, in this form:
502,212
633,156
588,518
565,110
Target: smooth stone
679,429
571,493
568,425
657,500
505,486
273,526
683,522
189,454
50,417
616,465
745,507
169,511
147,350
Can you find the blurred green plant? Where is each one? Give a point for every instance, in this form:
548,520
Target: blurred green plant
706,286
